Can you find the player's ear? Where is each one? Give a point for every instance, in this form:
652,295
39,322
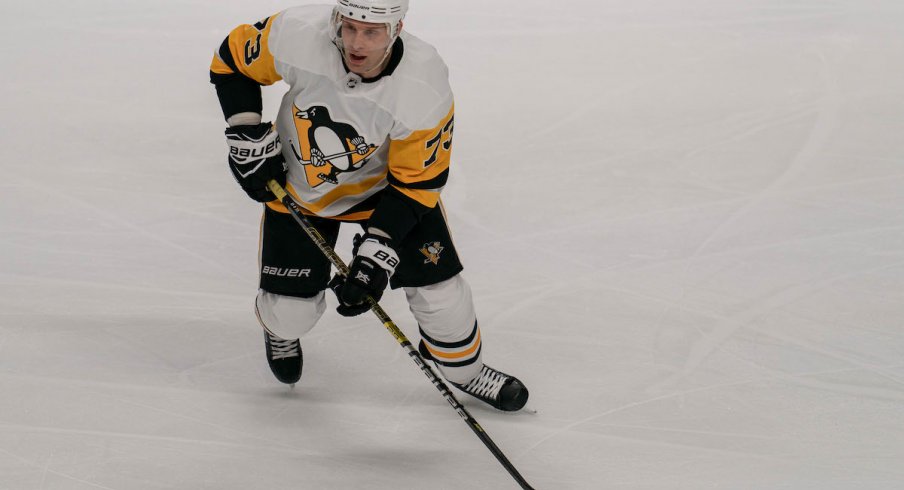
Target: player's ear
401,25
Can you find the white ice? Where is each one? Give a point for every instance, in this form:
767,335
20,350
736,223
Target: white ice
683,222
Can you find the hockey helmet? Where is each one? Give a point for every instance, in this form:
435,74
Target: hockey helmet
389,12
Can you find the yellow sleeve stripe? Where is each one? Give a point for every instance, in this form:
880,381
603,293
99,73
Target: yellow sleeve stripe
219,66
425,154
250,49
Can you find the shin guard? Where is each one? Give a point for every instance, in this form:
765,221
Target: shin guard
448,326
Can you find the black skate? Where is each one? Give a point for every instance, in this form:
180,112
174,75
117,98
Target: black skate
499,390
284,357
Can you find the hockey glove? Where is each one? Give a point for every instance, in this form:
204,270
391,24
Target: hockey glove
369,273
255,157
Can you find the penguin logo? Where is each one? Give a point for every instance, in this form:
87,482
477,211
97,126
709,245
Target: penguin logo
327,148
432,251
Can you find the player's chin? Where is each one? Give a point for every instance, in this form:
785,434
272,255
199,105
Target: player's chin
362,68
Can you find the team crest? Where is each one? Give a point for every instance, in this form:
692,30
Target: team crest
327,148
432,251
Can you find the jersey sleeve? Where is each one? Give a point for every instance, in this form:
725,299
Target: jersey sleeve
419,163
418,171
243,63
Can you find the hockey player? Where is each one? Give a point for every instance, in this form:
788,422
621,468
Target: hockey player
364,136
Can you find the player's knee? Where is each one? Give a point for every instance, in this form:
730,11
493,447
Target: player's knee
289,317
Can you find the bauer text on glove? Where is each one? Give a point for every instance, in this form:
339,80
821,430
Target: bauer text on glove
255,157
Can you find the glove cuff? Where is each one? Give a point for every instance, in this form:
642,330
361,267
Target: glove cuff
377,250
244,119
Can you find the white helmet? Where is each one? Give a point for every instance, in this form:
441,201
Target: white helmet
389,12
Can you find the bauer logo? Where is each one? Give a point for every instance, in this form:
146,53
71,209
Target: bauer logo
285,272
242,154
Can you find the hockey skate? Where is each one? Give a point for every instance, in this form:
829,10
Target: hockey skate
499,390
284,357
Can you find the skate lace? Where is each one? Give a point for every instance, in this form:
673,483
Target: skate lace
487,384
282,348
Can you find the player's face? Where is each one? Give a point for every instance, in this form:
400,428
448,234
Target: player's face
365,46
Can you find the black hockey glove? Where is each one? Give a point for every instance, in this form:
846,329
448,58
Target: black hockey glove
255,157
369,273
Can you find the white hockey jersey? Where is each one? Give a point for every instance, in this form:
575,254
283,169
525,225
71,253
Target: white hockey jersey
346,138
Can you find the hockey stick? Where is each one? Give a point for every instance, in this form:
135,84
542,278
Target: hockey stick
298,215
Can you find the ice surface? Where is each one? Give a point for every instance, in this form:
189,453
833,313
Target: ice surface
682,221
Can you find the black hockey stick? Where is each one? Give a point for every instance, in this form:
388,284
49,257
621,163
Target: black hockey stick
298,215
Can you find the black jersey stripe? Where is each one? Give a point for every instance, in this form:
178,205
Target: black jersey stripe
226,56
437,182
450,345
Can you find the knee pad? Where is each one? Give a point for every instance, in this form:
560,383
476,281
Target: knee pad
448,323
289,317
